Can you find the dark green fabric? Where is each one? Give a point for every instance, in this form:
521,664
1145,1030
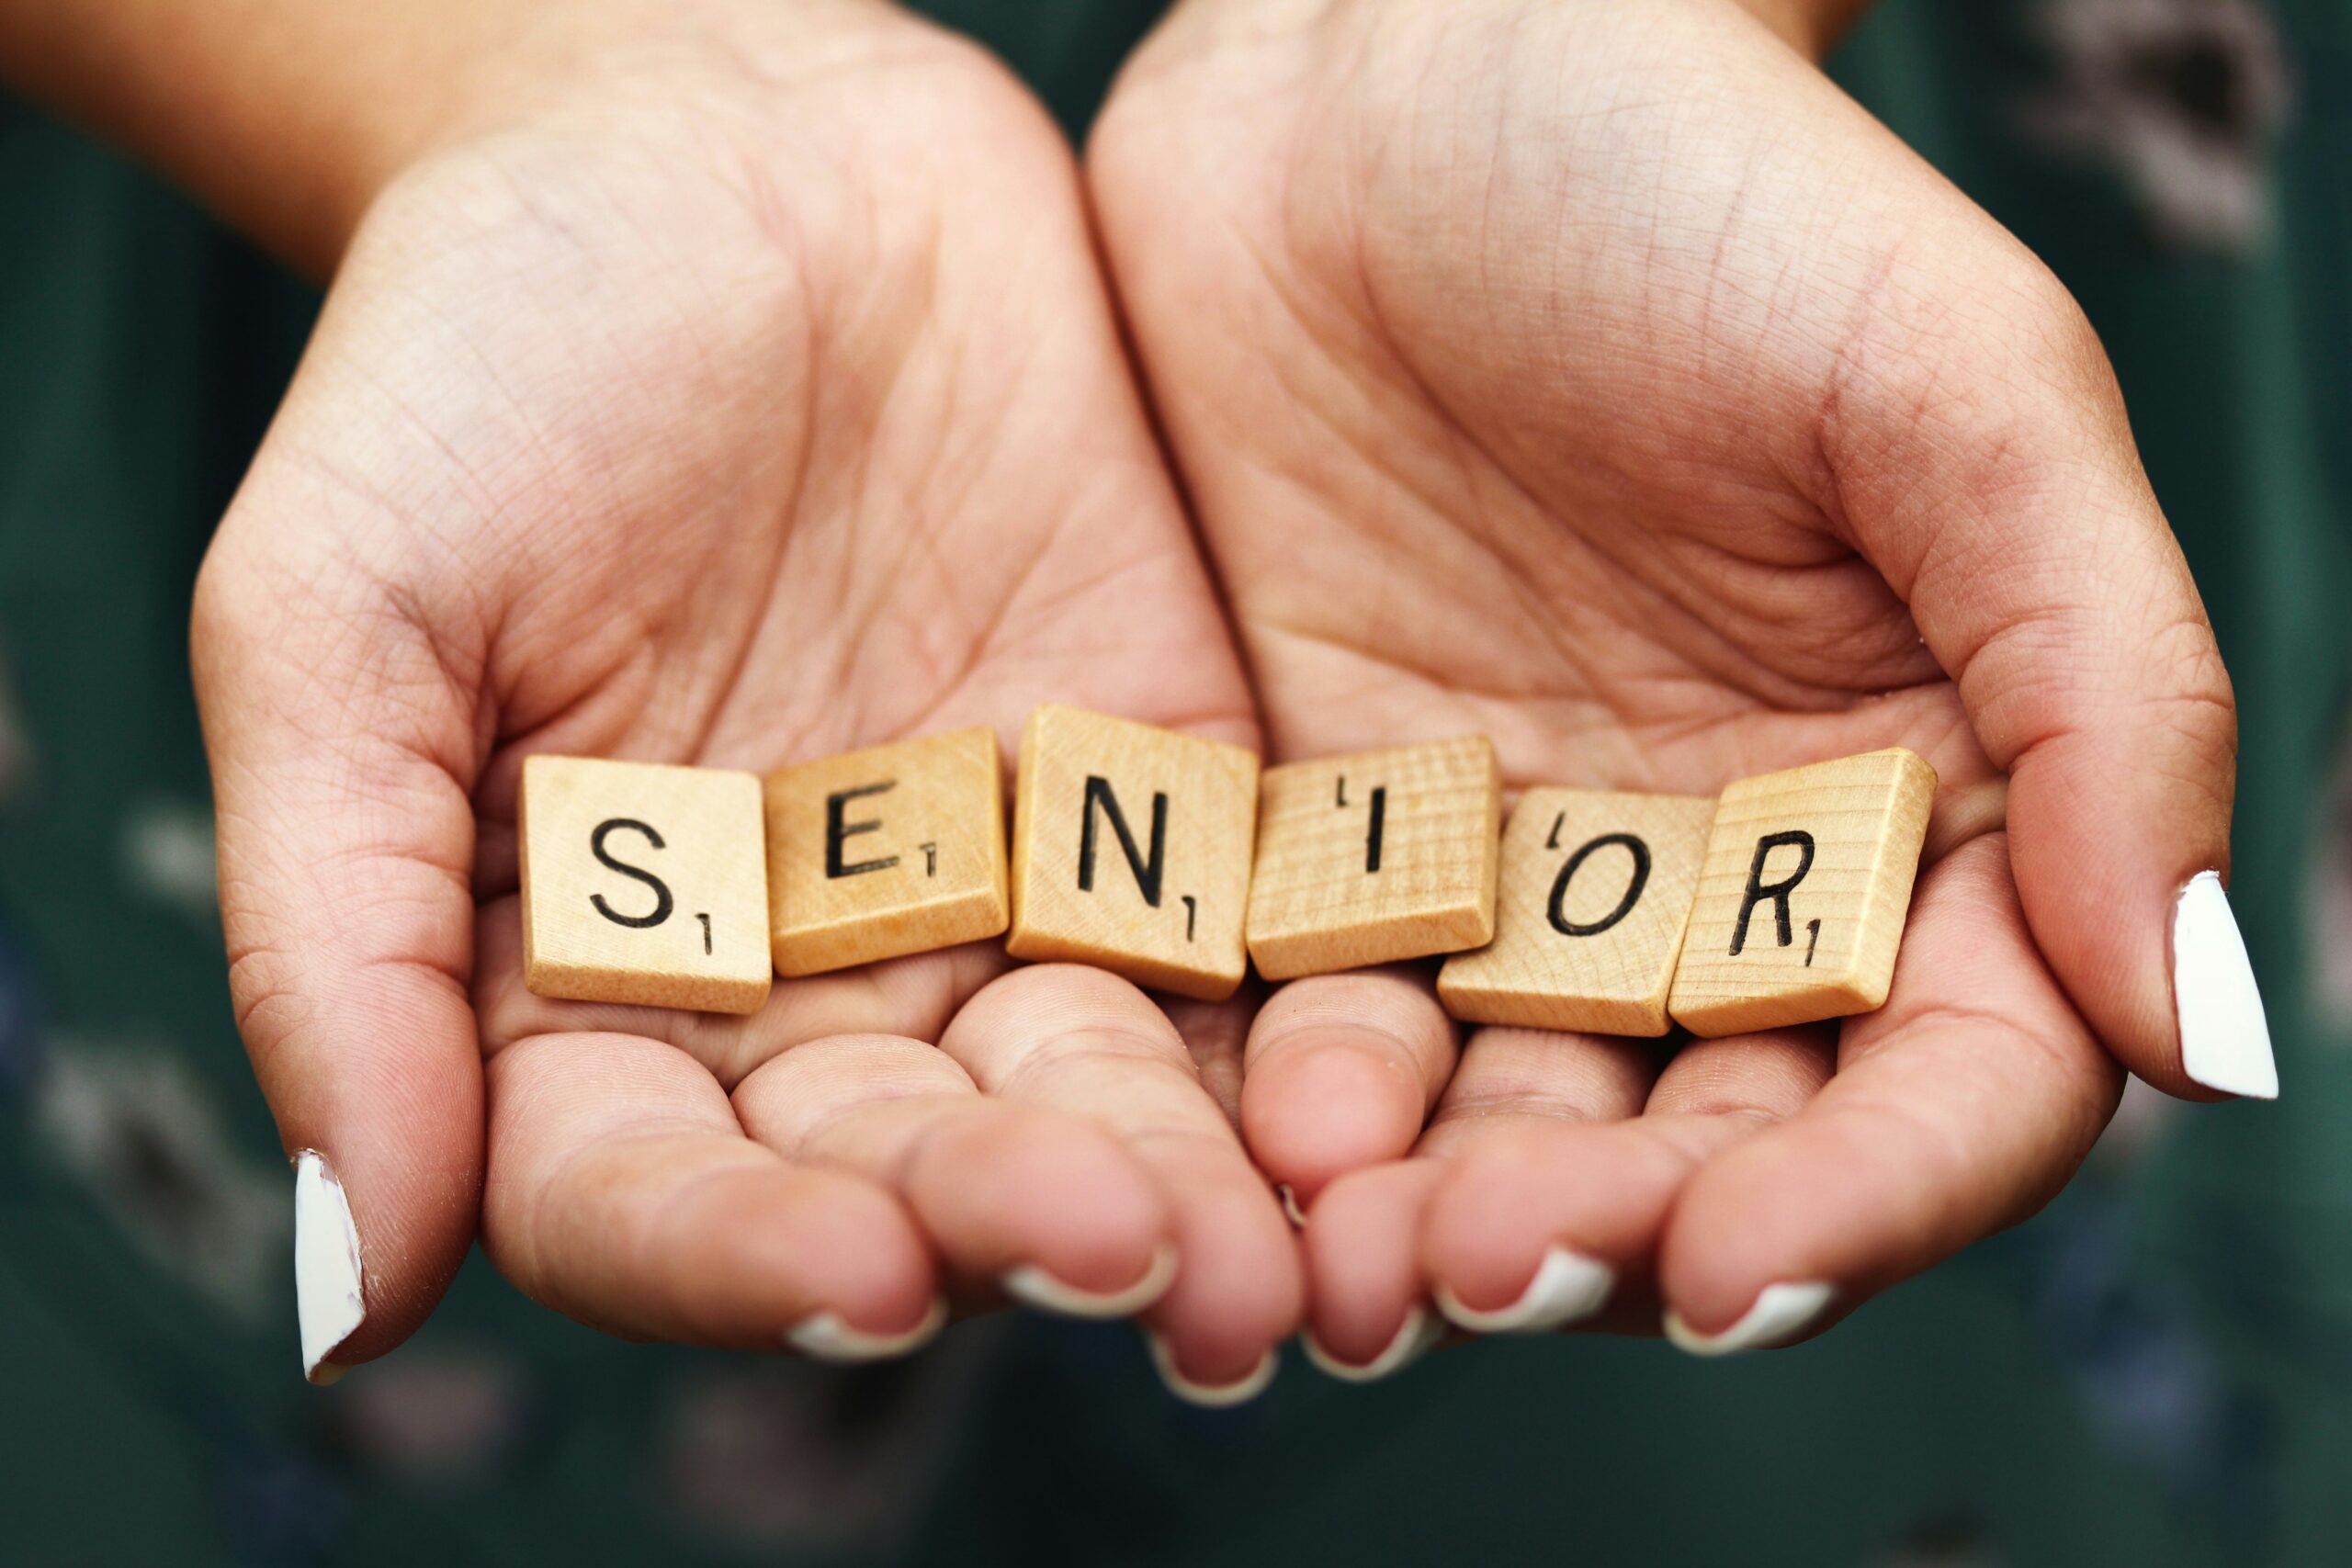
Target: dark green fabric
2155,1371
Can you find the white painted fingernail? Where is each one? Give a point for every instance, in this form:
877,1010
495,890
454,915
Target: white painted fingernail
1421,1329
825,1338
1567,1287
1040,1289
1289,1200
1778,1314
2224,1038
327,1296
1207,1395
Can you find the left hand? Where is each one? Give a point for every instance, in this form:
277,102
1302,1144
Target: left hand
1601,377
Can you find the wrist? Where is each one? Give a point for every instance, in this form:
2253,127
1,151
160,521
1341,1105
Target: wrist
1812,27
289,118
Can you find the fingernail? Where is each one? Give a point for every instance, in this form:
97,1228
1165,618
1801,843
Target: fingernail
825,1338
2225,1039
1040,1289
1289,1200
1567,1286
1209,1396
327,1297
1780,1313
1419,1331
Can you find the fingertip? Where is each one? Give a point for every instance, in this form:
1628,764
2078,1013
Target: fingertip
1210,1391
1050,1205
388,1165
1041,1288
1363,1278
1530,1234
825,1336
1733,1237
751,1256
1781,1314
1242,1289
2224,1033
1328,1105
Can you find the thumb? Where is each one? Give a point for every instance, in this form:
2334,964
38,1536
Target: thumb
1998,488
341,752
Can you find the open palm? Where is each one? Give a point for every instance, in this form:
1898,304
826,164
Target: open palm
1600,379
751,398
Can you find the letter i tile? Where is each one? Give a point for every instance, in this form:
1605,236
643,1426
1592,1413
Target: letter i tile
1377,857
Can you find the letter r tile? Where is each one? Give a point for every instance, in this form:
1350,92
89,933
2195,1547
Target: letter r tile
1131,850
1803,894
644,884
879,854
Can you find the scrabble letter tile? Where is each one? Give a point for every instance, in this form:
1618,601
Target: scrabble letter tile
644,884
1131,850
1375,857
1802,901
892,850
1596,891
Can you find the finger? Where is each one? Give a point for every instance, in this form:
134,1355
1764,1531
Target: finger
1216,1034
1043,1201
1997,487
910,998
1566,1155
1340,1072
1084,1041
1367,1317
341,748
624,1193
1958,1108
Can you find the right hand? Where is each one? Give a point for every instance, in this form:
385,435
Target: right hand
743,392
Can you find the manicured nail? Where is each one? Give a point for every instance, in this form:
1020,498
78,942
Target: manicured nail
1420,1330
1778,1314
825,1338
2225,1039
1210,1396
1040,1289
1289,1200
327,1297
1567,1287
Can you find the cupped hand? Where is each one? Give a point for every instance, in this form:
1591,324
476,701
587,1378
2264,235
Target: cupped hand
740,389
1599,377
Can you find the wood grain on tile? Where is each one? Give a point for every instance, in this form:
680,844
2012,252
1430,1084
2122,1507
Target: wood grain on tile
1375,857
890,850
1803,896
1596,890
1131,850
644,884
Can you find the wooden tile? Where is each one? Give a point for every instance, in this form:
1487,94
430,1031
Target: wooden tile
1131,850
886,852
1802,901
1375,857
644,884
1596,892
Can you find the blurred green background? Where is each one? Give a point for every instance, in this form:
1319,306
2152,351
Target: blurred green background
2157,1371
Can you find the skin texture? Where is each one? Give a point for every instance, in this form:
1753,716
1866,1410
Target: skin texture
735,383
711,410
1598,378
